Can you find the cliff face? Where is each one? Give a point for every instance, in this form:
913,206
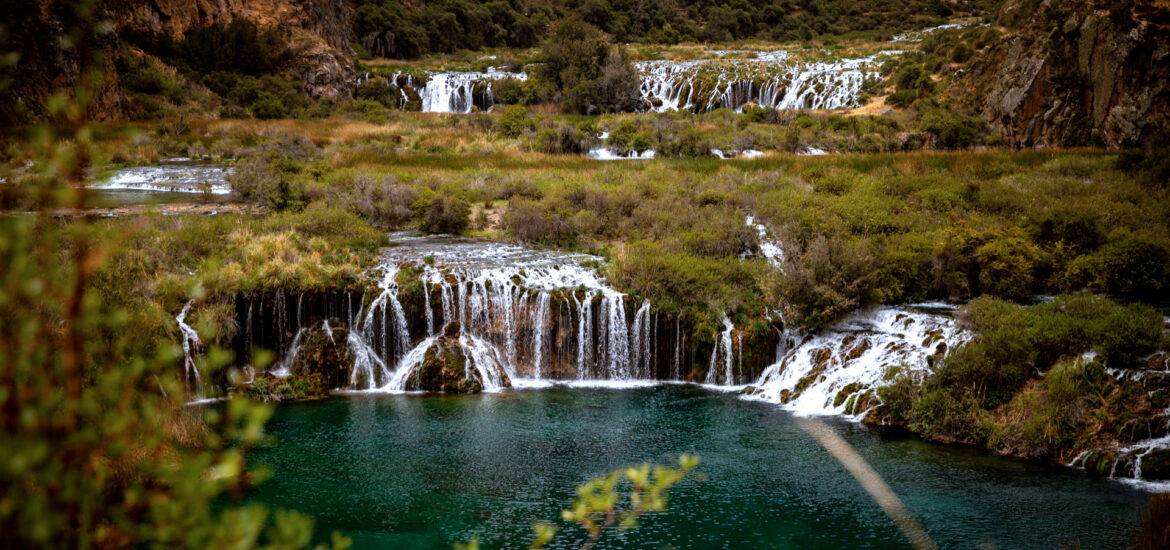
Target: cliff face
1077,76
50,61
318,31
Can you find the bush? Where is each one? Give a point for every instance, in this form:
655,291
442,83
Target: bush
961,53
443,214
528,221
561,140
590,75
828,279
1131,264
514,122
1014,345
1006,267
257,180
950,129
268,107
384,202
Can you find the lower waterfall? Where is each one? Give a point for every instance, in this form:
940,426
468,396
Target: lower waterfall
837,371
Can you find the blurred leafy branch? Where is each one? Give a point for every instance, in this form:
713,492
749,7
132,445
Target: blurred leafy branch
601,503
100,449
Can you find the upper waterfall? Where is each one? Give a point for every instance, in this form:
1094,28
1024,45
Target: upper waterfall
777,79
770,79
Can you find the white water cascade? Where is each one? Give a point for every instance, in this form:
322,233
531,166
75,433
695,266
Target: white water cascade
768,79
836,370
771,79
453,92
723,357
770,247
503,298
191,347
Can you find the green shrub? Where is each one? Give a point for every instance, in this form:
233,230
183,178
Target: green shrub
590,75
529,221
829,278
267,107
1132,264
514,122
1007,266
258,180
443,214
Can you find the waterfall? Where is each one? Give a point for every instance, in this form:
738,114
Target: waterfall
771,79
454,92
501,295
191,346
284,367
539,320
836,370
723,343
640,339
381,336
769,248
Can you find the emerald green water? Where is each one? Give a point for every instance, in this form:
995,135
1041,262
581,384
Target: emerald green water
413,471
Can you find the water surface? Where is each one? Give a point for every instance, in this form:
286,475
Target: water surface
423,471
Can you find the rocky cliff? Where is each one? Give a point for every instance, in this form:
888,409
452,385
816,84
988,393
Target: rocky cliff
46,51
51,54
318,31
1075,75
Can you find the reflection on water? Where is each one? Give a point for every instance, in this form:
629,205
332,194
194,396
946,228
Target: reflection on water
413,471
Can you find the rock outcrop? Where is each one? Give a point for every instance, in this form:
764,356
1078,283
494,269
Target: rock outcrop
49,59
318,32
1073,75
447,367
54,46
325,354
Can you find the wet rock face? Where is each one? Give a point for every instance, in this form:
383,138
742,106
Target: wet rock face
325,354
1076,76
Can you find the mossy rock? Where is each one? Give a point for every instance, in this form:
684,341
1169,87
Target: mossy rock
326,356
445,367
858,350
1156,465
847,393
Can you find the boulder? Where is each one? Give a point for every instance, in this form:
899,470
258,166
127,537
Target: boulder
447,367
326,354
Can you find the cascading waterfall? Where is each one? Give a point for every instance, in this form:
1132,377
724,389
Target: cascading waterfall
722,356
381,336
642,333
501,296
454,92
770,248
769,79
191,347
836,370
772,79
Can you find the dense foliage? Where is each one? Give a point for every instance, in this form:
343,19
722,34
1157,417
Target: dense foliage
590,75
392,28
99,449
1024,385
